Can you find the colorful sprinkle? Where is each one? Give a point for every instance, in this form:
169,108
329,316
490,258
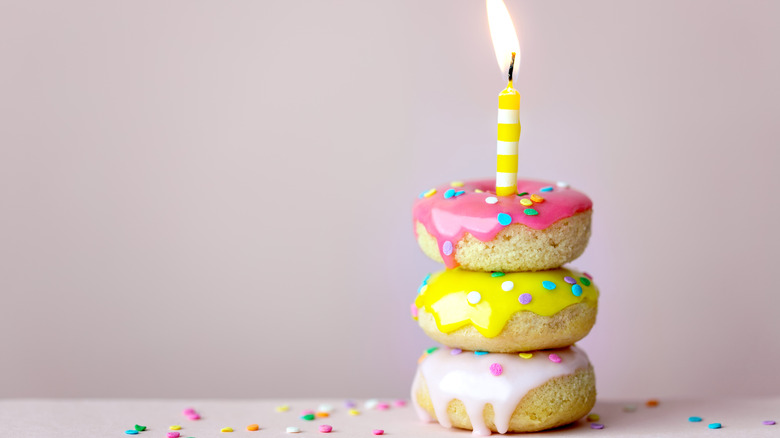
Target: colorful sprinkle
596,426
174,434
714,425
525,298
399,403
593,417
372,402
496,369
349,404
554,358
253,427
422,289
293,429
320,414
139,428
307,412
283,408
429,193
131,432
652,403
497,274
422,358
576,290
563,185
526,355
449,193
325,428
354,412
504,219
478,191
415,311
430,350
526,202
584,281
480,353
587,275
491,200
694,419
459,192
768,423
378,432
537,198
522,194
474,297
456,351
530,212
189,411
193,417
507,286
546,189
456,184
382,406
175,427
549,285
446,248
569,280
224,429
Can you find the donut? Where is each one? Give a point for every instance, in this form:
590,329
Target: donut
504,313
464,224
500,392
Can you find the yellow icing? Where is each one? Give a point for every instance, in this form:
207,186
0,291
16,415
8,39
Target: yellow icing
445,297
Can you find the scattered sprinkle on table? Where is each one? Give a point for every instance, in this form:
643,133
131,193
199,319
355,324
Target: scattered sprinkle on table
694,419
401,403
594,417
320,414
354,412
325,428
175,427
384,406
282,408
293,429
652,402
139,428
768,423
349,404
307,417
596,426
378,432
173,435
714,425
252,427
325,408
226,429
131,432
307,412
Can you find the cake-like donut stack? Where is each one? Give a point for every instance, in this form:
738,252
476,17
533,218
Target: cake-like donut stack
506,308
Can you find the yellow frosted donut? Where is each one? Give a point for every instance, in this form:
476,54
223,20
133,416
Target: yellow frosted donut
511,312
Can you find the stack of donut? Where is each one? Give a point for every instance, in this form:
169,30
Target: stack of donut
506,309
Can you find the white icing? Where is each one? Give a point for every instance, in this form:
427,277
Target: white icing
467,377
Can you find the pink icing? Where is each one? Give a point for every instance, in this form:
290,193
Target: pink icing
468,378
448,220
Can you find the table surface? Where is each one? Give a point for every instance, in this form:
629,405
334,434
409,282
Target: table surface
740,417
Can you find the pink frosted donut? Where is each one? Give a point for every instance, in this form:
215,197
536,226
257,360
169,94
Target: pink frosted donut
465,224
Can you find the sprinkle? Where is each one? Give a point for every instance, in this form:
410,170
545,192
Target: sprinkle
456,351
354,412
480,353
307,412
596,426
546,189
507,286
399,403
491,199
382,406
282,408
139,428
429,193
253,427
456,184
422,289
478,191
431,350
714,425
193,417
593,417
459,192
496,369
576,290
652,403
422,358
174,434
504,219
522,194
537,198
325,428
371,403
526,202
427,279
694,419
474,297
349,404
584,281
415,311
496,274
768,423
530,212
554,358
378,432
446,249
175,427
526,355
569,280
587,275
320,414
449,193
563,185
224,429
293,429
629,408
131,432
549,285
189,411
525,298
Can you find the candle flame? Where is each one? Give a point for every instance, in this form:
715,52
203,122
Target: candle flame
503,34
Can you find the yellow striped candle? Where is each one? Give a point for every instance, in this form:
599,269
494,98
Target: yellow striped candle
508,138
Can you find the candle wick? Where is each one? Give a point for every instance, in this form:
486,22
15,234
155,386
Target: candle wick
511,66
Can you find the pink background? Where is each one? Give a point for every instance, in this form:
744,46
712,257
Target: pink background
212,199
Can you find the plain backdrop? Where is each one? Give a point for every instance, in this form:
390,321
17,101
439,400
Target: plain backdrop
213,198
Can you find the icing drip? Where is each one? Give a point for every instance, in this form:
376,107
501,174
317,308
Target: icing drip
467,377
448,219
445,295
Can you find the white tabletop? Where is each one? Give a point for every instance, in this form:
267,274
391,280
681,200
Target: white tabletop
111,418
